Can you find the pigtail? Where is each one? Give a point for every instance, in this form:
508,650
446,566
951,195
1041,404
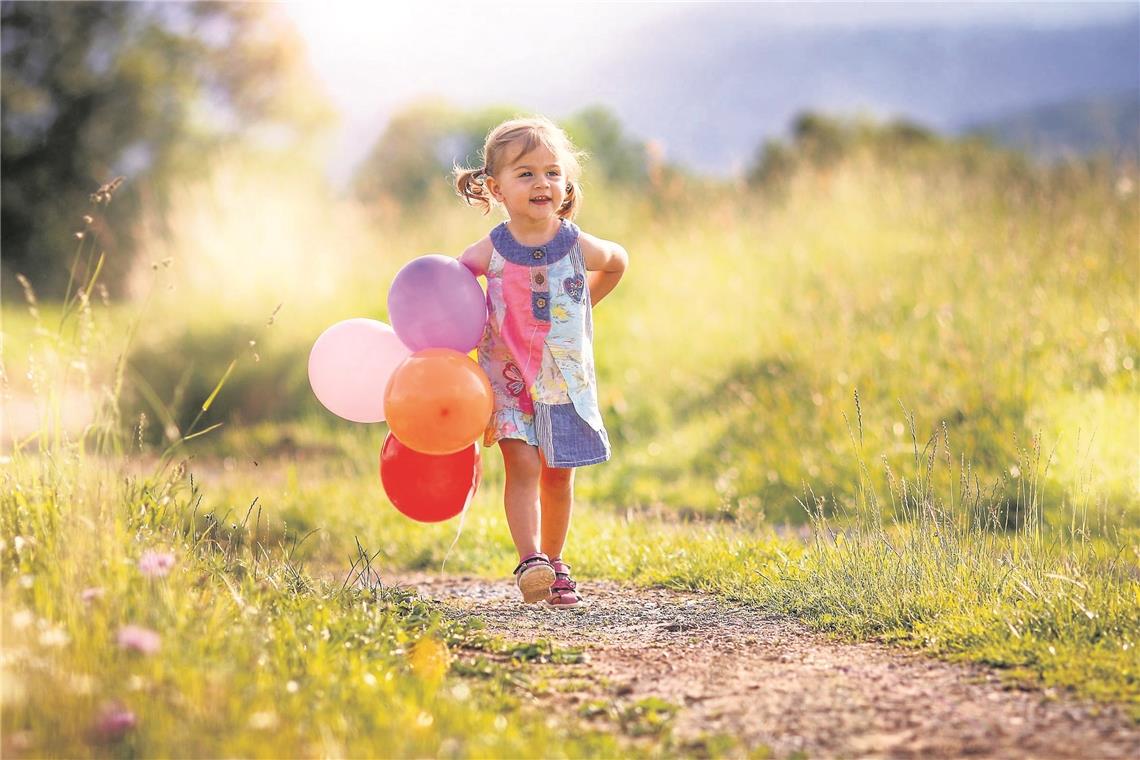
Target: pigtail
471,184
573,203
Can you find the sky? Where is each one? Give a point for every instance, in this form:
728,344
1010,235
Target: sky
375,58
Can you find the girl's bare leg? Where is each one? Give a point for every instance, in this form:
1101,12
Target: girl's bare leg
520,495
556,495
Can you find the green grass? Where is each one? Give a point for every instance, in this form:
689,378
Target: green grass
1001,301
257,658
1051,605
945,352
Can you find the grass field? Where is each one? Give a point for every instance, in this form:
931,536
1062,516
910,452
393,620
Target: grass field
896,401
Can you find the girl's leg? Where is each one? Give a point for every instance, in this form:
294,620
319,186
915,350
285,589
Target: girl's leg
520,495
556,495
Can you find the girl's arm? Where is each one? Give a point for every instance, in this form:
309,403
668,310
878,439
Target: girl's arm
477,257
606,262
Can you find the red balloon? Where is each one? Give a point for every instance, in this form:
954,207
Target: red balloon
427,487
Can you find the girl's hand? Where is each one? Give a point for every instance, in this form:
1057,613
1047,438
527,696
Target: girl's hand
606,262
478,468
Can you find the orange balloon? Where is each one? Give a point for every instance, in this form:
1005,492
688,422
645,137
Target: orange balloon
438,401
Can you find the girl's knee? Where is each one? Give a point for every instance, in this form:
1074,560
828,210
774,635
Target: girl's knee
521,460
557,477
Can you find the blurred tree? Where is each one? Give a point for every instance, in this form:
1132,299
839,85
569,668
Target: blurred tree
820,141
92,90
774,165
417,150
620,158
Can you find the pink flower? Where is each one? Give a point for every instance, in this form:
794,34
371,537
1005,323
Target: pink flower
91,594
155,564
113,723
138,639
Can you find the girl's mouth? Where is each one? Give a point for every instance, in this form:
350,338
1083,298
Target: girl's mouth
541,199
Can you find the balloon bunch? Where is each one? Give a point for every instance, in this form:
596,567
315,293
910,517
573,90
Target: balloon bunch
417,375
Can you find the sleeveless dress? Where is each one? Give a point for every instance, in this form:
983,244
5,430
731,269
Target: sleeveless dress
537,349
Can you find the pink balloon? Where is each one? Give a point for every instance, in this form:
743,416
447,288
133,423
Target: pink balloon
350,365
435,302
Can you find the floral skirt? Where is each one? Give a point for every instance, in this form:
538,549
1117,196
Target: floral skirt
543,416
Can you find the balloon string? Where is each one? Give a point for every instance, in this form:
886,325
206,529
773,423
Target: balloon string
463,513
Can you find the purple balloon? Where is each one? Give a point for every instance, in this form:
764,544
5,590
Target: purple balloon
435,302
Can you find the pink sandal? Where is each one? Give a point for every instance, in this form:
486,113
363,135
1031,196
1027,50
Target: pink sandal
534,576
563,592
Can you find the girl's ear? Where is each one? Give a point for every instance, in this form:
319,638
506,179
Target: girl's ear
494,189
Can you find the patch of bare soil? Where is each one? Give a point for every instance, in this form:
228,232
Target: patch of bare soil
769,682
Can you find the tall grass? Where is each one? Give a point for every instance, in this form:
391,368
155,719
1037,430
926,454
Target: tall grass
748,325
998,299
959,571
234,650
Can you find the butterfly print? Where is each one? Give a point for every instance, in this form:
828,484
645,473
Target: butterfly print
514,377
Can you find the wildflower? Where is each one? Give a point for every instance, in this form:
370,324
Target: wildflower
54,636
155,564
89,595
81,684
21,741
139,639
113,723
430,659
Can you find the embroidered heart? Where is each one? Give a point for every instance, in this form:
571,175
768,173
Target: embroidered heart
574,286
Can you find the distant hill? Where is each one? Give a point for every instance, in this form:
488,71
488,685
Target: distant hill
714,82
1100,124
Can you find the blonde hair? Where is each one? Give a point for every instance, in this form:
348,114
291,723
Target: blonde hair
527,134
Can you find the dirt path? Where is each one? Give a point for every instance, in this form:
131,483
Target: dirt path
768,681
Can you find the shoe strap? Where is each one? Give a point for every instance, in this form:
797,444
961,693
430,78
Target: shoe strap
538,558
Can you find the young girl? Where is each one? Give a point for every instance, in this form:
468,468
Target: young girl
537,349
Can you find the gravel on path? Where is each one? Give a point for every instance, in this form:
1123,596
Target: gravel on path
768,681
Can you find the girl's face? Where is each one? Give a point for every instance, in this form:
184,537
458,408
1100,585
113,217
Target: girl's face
532,186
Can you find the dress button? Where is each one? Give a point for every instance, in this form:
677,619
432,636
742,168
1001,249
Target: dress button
541,303
539,279
538,254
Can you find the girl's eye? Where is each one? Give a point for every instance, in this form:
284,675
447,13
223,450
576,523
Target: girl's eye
525,174
554,173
